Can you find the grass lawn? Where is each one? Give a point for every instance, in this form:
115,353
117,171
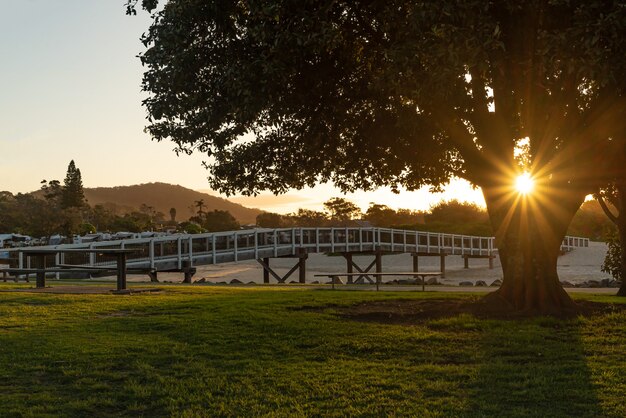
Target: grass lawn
217,351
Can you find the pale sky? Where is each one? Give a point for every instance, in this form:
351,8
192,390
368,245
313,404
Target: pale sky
70,89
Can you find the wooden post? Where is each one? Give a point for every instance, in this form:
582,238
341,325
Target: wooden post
415,264
491,262
121,271
186,268
41,274
302,264
442,265
465,262
379,266
348,257
266,274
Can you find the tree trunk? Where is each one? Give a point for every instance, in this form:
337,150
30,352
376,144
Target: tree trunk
529,231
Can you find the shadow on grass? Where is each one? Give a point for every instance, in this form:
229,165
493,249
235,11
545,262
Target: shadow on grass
533,368
519,367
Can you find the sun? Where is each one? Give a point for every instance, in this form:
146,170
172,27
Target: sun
524,183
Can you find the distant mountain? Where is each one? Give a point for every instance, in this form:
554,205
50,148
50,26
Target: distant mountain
162,197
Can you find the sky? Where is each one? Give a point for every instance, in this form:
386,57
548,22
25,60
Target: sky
70,88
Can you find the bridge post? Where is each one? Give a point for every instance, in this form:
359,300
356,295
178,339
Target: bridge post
180,253
57,261
302,254
151,253
121,271
92,256
348,257
379,263
442,264
41,275
266,273
188,270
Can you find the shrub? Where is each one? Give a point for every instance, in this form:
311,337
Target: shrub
612,262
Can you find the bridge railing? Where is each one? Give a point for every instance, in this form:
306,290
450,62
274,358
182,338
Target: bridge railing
227,246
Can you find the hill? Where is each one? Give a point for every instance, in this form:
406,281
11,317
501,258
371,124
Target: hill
162,197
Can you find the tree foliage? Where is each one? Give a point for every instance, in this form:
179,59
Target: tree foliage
613,260
219,220
456,211
342,211
72,195
272,220
383,216
310,218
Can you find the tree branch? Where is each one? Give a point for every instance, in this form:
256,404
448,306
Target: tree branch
607,211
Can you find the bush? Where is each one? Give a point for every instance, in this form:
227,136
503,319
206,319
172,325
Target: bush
190,228
612,262
86,228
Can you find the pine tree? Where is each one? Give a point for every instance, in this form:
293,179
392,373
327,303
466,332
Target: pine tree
73,195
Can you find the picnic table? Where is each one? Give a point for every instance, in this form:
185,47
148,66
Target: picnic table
41,254
417,274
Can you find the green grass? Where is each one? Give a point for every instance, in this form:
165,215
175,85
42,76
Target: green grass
217,351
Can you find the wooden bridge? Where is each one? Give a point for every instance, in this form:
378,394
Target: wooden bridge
183,252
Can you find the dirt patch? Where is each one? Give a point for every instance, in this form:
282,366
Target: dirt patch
407,312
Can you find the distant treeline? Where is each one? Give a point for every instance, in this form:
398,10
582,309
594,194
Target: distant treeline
62,209
451,216
447,216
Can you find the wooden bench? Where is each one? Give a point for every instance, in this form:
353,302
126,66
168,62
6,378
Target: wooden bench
417,274
40,255
16,272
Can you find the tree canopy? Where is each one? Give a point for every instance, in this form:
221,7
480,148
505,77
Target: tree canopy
368,93
342,210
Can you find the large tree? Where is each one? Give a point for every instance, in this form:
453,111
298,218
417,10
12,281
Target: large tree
341,211
286,94
73,195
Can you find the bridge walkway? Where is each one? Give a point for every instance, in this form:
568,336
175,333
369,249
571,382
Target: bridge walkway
183,252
